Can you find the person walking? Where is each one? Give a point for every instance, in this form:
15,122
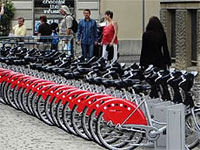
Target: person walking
110,39
65,29
2,10
154,46
20,28
44,30
87,35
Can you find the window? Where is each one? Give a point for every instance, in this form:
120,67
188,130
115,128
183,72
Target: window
173,34
193,37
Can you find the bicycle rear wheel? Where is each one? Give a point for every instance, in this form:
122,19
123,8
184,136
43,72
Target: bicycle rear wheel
77,124
191,132
1,94
41,111
115,139
59,115
47,109
10,96
67,118
85,123
5,88
15,96
53,107
34,100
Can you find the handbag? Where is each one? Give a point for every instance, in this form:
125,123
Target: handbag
110,50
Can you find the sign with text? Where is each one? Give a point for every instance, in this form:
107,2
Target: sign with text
52,6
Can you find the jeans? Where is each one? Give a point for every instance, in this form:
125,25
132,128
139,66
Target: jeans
87,51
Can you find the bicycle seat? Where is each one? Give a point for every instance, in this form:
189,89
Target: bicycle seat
108,83
187,82
141,88
68,75
112,74
84,70
19,62
90,80
165,78
98,80
120,84
30,58
131,82
175,82
65,64
78,75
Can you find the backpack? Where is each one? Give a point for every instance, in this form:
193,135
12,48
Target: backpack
55,38
74,25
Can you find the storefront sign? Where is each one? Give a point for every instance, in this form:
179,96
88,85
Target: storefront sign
52,6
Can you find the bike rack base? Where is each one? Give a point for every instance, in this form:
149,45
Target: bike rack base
174,116
176,127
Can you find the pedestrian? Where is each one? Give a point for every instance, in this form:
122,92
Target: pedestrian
20,28
45,31
65,30
154,46
55,39
2,10
87,35
110,40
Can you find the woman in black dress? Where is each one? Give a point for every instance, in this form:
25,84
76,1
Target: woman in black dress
154,46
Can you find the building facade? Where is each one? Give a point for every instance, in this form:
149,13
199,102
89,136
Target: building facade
131,15
181,20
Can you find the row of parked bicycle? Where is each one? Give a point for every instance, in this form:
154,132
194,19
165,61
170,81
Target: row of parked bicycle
106,103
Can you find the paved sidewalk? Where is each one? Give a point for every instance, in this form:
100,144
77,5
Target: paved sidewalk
19,131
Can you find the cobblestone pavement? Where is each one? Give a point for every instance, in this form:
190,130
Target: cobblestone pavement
19,131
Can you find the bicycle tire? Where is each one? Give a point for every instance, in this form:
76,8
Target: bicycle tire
34,100
76,123
53,107
124,143
92,127
15,96
85,123
47,109
191,133
10,96
1,94
5,85
24,100
41,111
22,96
67,118
59,115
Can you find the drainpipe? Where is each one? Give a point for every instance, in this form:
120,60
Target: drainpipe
143,15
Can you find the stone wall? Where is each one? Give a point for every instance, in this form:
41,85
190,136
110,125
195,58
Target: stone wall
181,42
183,30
